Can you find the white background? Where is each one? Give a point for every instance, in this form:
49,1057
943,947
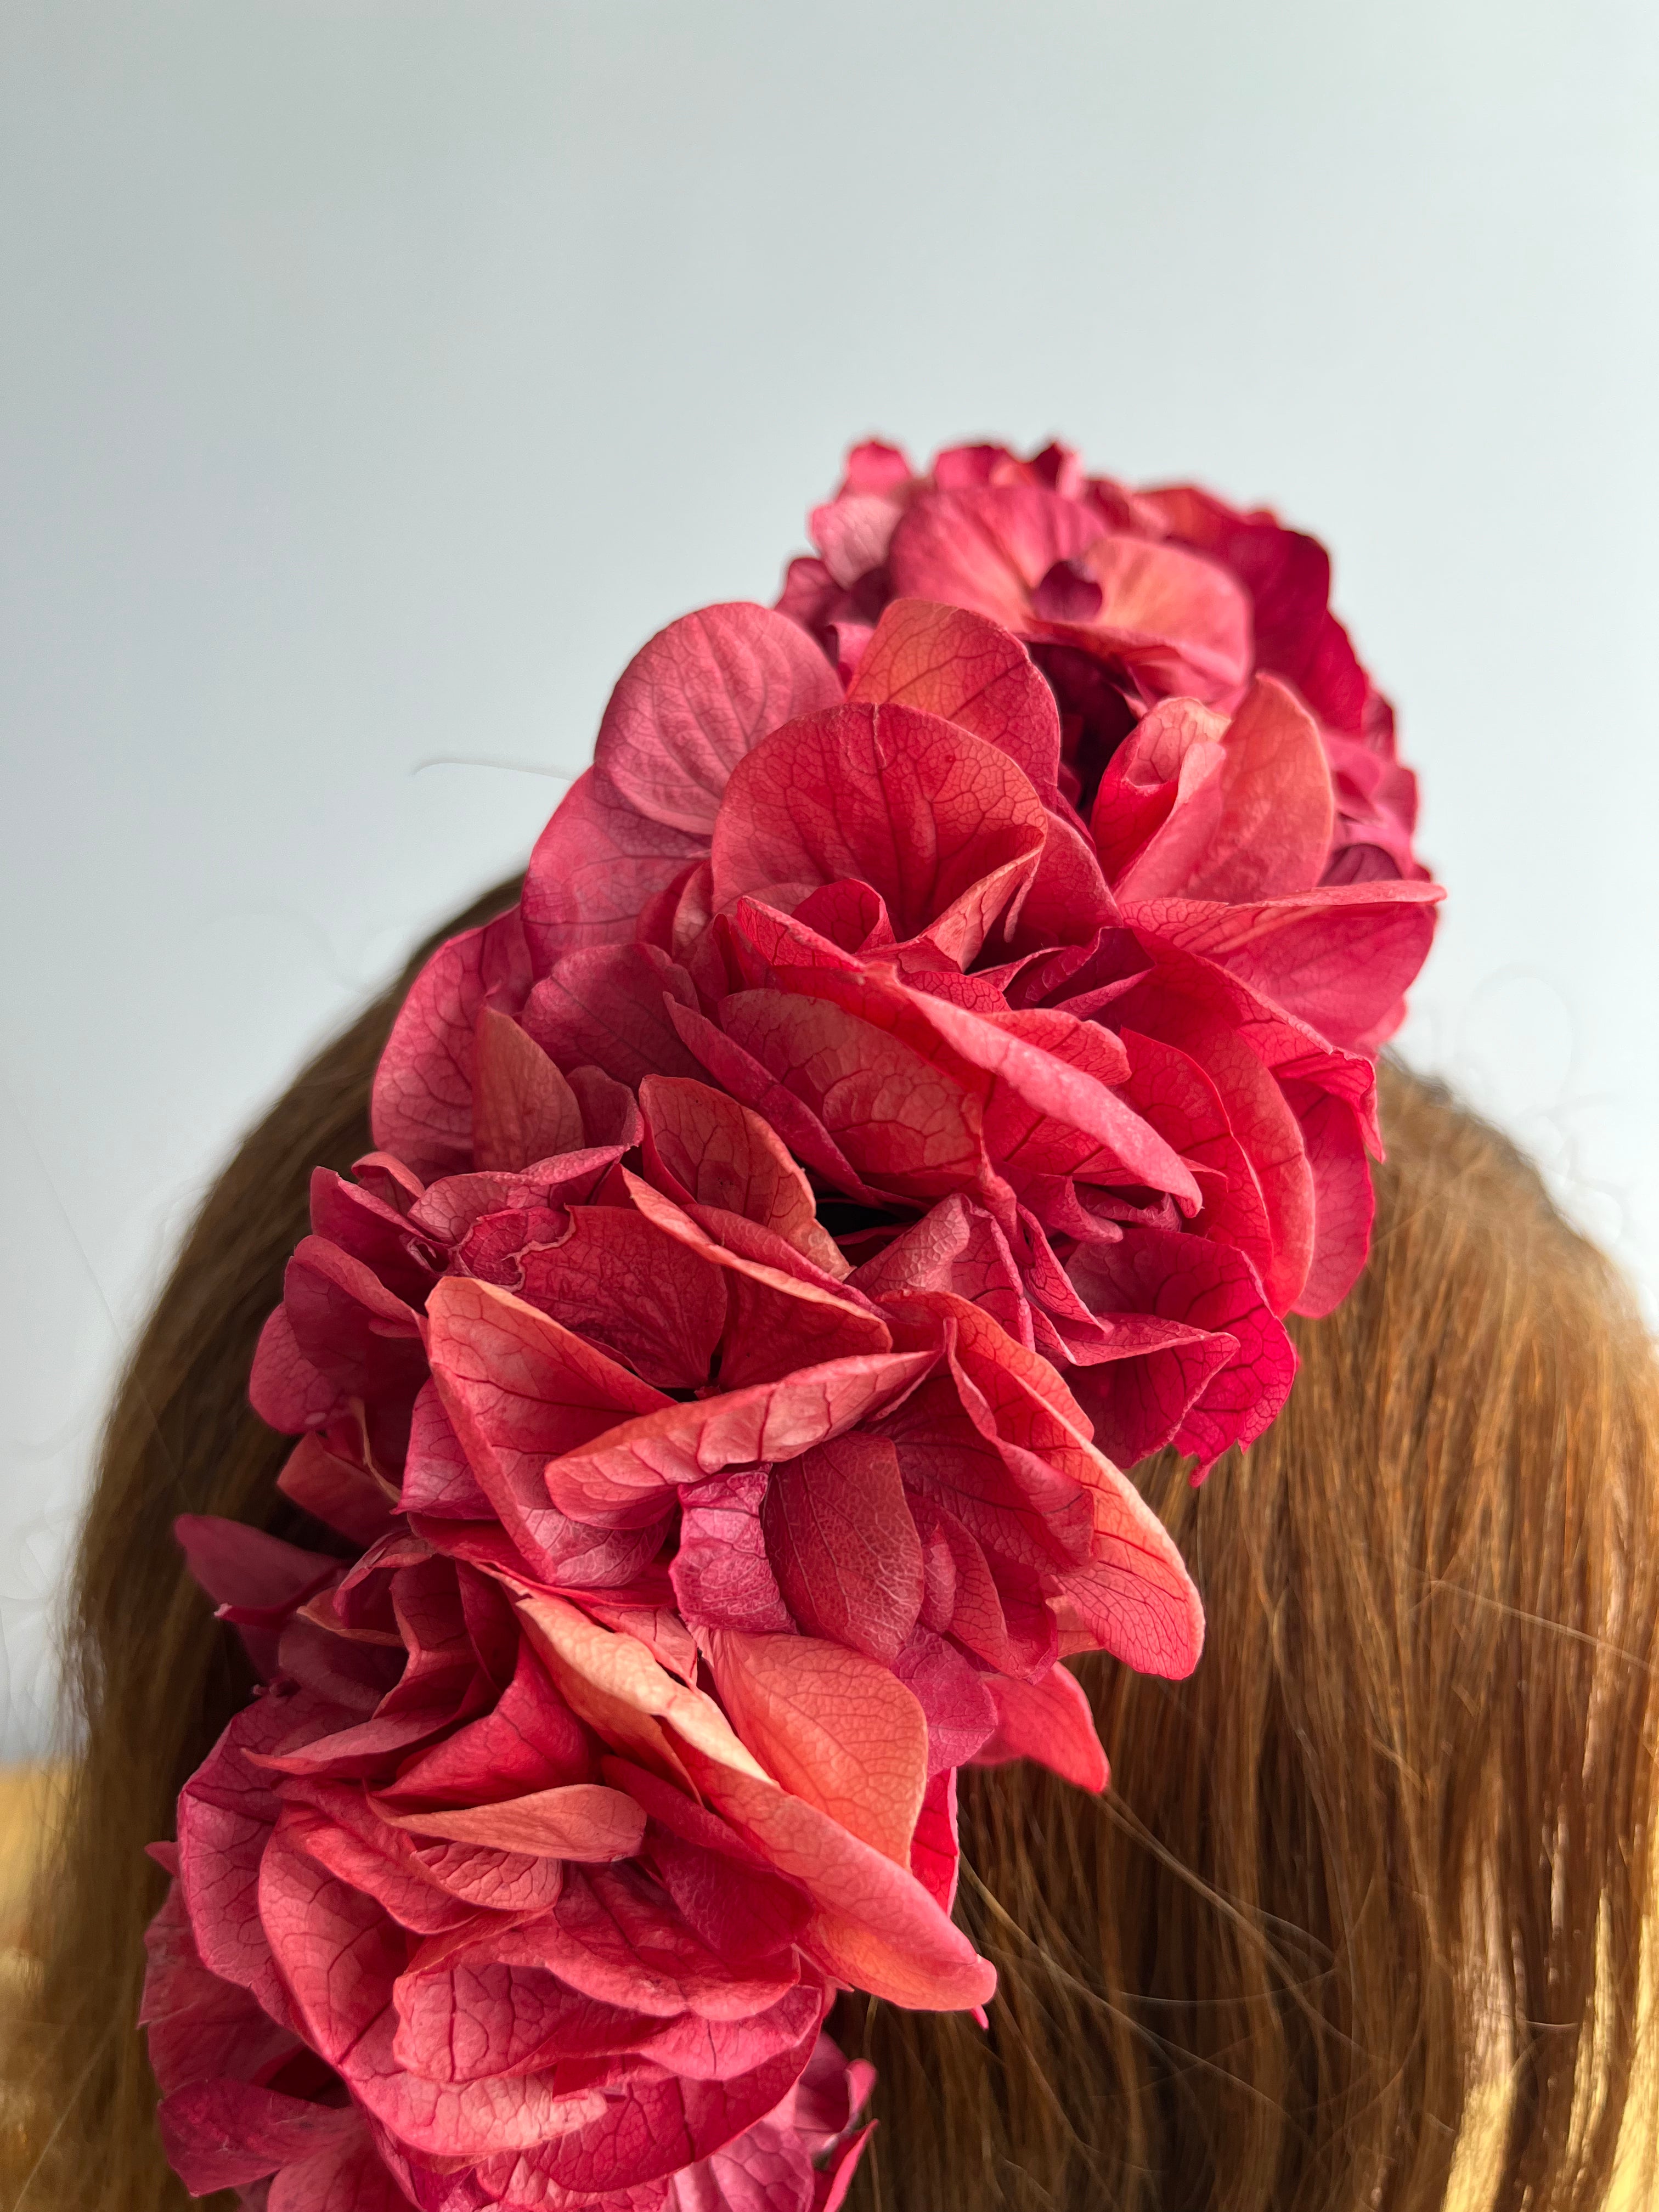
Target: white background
376,377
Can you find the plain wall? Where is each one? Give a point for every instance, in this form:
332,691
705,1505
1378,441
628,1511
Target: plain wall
375,378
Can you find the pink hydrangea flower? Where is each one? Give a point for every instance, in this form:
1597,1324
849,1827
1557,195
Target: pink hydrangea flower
934,1050
453,1925
1138,1048
1126,597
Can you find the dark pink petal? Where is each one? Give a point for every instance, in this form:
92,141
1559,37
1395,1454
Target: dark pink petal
852,532
523,1109
334,1491
781,1317
1344,1200
935,1859
703,1148
371,1231
1180,621
889,1115
617,1280
605,1008
339,1951
943,826
226,1812
722,1575
653,2127
839,1535
1187,1279
384,1865
1288,576
225,2133
742,1911
422,1102
752,1081
1273,833
1049,1720
200,2028
1259,1118
438,1477
946,661
835,1728
952,1694
350,2176
615,1686
987,550
956,1246
1160,799
244,1567
529,1740
1182,1103
518,1388
875,1927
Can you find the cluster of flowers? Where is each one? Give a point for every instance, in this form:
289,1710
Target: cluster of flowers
933,1051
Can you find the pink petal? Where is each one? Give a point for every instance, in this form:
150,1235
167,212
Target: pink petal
988,548
1339,958
722,1575
621,1476
699,696
943,826
334,1491
839,1536
875,1927
242,1566
348,2178
523,1109
1344,1200
935,1859
224,2134
617,1280
438,1477
423,1099
704,1148
595,868
1189,1278
530,1741
956,1246
605,1008
519,1389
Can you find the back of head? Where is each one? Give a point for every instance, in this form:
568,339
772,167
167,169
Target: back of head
1388,1845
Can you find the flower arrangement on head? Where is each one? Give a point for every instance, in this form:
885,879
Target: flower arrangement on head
933,1051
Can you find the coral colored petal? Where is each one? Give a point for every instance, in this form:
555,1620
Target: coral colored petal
945,661
1049,1721
833,1727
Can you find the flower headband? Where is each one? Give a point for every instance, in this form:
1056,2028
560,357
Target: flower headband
933,1052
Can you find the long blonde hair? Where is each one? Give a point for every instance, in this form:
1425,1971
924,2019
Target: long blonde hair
1390,1845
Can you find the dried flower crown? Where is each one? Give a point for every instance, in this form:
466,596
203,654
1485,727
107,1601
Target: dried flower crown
933,1051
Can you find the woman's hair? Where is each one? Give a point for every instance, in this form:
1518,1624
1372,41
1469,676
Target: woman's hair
1379,1866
